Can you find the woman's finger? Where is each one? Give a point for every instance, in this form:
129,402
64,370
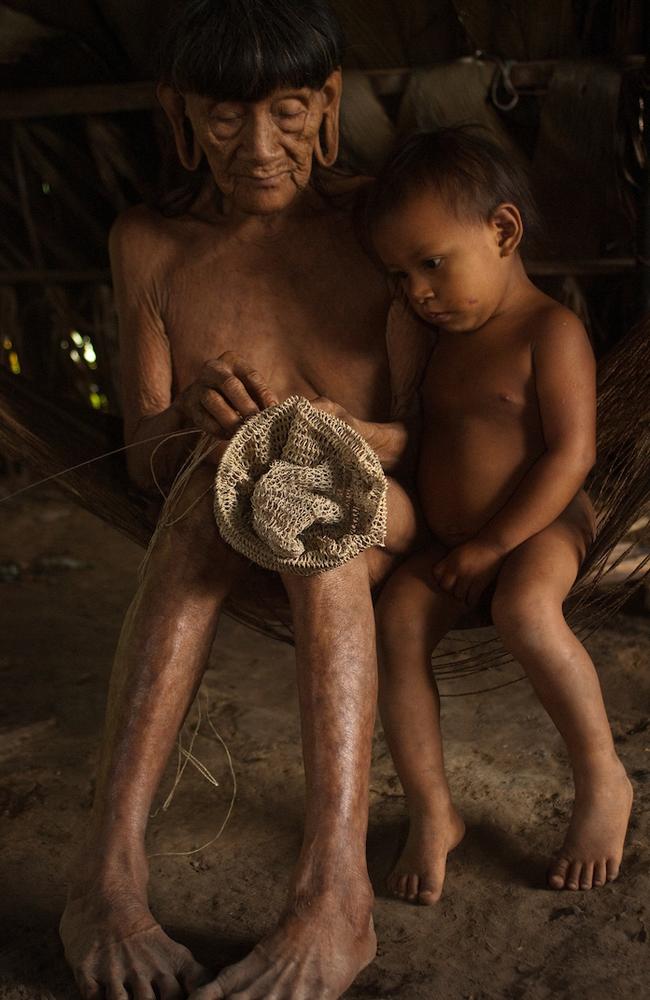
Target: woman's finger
219,376
256,385
220,410
239,382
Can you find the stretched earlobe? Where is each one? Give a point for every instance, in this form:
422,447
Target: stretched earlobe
187,146
326,147
192,152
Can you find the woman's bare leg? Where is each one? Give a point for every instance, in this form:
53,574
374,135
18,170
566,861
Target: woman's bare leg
411,620
325,935
527,612
111,940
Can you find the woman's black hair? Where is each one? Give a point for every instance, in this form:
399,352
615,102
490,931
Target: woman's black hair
243,50
463,166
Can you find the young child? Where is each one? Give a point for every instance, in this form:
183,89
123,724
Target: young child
507,439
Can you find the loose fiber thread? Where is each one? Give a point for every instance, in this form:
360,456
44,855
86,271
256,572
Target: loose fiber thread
185,757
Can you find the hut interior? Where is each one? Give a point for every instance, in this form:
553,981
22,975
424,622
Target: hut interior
84,138
563,85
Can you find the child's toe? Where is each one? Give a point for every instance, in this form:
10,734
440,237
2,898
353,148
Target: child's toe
557,873
412,887
587,875
430,889
573,875
600,874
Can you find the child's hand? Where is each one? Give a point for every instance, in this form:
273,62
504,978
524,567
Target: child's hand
465,572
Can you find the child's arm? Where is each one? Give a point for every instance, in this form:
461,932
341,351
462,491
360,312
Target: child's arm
564,369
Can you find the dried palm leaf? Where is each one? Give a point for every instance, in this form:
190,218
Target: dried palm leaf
109,148
59,180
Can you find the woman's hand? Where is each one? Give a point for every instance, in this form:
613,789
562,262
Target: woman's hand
466,570
329,406
227,391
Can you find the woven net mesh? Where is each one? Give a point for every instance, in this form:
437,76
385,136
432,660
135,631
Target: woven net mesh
299,490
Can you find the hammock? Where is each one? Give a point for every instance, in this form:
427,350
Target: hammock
51,434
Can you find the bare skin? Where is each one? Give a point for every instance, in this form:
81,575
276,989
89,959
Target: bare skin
222,312
507,440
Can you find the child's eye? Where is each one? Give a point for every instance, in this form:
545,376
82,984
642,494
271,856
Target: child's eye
433,263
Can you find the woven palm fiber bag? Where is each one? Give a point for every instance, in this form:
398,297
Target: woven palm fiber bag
298,490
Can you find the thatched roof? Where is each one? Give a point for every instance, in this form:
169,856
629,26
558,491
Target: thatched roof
43,42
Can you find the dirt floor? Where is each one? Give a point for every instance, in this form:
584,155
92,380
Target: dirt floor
498,934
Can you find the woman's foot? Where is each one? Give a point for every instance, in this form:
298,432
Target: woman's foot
113,943
419,875
593,847
321,944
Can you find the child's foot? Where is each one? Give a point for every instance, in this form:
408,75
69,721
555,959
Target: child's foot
419,874
593,847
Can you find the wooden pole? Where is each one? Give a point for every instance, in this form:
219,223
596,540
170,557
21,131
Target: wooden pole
89,99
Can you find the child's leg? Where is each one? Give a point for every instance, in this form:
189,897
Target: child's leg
527,612
411,620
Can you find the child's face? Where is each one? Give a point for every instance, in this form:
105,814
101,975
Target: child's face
453,272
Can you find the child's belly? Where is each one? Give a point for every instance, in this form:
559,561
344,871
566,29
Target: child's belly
466,473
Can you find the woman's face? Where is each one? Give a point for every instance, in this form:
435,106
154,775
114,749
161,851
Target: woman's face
260,153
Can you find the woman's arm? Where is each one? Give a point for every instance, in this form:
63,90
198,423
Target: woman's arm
226,390
145,358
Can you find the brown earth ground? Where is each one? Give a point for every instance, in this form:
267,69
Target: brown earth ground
497,934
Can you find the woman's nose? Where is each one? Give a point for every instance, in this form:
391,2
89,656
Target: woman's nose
259,139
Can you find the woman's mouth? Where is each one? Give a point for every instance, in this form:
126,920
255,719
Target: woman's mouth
264,182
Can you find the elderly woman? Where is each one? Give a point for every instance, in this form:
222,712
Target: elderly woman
249,290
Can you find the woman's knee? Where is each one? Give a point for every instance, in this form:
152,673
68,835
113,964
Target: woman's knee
187,542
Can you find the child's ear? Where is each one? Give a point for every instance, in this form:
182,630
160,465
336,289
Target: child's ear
508,228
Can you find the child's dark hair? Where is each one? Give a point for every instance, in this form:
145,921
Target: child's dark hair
462,165
243,50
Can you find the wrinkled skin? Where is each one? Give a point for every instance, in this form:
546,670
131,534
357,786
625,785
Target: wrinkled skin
222,311
284,126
